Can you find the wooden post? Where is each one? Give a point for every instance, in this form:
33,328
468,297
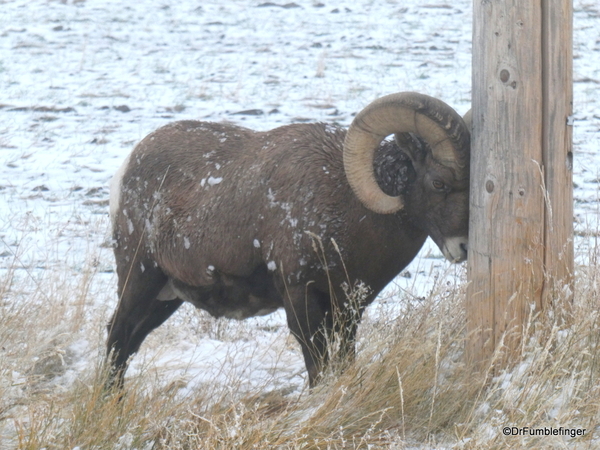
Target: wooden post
557,148
520,237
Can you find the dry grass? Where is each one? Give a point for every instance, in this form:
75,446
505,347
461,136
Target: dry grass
409,387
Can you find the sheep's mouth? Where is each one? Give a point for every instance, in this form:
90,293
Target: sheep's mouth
455,249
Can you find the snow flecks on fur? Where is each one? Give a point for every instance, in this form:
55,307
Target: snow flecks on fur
214,180
332,129
285,206
210,181
271,197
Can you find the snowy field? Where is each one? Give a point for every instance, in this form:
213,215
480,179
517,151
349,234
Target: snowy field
82,81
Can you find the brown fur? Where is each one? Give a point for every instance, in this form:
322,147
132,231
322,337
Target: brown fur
233,221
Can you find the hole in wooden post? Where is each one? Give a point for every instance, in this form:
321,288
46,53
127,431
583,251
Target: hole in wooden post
489,186
569,160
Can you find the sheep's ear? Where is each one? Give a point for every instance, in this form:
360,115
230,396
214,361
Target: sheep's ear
410,145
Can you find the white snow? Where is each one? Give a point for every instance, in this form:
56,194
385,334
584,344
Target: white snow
214,180
82,82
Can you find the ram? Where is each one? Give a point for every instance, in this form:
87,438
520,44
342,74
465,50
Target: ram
240,223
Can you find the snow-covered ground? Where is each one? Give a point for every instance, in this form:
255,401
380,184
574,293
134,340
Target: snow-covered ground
82,81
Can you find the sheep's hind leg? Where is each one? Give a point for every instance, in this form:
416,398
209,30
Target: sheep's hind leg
137,314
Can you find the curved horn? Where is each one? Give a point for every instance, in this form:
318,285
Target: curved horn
406,112
468,119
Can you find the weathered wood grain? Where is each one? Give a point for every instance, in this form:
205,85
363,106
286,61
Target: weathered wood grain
520,242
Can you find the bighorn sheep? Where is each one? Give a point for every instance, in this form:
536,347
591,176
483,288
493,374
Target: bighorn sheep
227,218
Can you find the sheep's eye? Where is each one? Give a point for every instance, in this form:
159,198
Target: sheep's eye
438,185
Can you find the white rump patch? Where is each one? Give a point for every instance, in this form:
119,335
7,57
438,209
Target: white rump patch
115,188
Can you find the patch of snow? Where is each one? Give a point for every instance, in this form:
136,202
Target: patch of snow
214,180
67,68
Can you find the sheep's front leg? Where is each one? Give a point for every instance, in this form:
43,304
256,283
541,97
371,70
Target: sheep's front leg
308,314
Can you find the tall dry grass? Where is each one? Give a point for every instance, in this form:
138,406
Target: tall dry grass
409,387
